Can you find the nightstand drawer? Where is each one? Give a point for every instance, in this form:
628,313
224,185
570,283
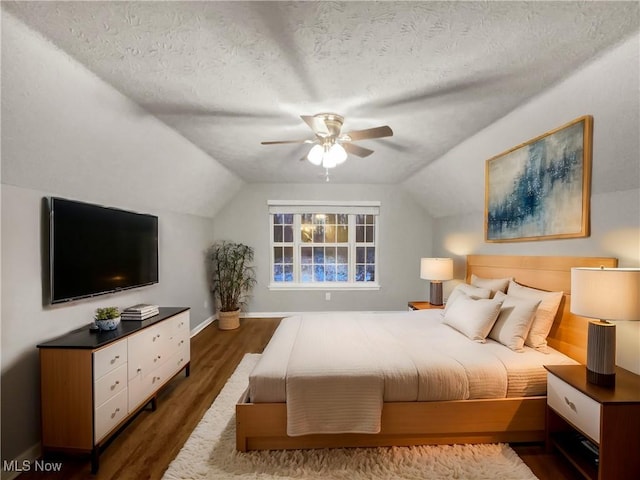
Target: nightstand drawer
577,408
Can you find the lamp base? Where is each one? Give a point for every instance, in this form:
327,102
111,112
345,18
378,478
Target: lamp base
435,293
601,379
601,353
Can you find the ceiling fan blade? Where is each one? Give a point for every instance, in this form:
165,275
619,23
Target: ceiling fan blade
278,142
377,132
316,124
356,150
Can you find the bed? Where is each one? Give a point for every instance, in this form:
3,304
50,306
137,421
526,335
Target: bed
494,410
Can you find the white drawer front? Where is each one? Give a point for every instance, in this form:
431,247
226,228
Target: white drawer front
582,411
109,414
109,358
143,386
176,363
147,349
109,385
180,325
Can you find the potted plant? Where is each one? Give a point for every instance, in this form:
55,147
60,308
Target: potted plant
232,278
107,318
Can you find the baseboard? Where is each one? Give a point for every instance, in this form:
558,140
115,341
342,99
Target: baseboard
204,324
24,463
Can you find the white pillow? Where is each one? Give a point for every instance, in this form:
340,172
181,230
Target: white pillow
545,314
473,318
464,289
493,284
514,321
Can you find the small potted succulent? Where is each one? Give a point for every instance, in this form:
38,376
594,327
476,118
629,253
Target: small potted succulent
107,318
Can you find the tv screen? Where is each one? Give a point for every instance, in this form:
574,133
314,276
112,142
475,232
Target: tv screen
95,250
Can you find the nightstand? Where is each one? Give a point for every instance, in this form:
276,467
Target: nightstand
597,429
422,306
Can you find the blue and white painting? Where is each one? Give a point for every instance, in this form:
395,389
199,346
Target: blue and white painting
537,190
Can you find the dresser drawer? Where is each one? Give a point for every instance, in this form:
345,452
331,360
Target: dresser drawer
176,362
109,358
142,387
576,407
180,325
110,414
147,349
109,385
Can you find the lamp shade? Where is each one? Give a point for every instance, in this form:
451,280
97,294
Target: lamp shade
436,269
606,293
337,153
315,154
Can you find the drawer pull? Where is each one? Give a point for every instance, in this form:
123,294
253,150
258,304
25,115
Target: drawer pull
113,415
572,405
115,385
139,370
115,359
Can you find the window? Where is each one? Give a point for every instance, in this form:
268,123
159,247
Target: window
324,245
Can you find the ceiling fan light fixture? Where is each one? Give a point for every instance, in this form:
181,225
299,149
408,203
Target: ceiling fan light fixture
316,154
337,153
328,162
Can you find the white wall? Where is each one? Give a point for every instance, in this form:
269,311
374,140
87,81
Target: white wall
404,236
67,133
608,89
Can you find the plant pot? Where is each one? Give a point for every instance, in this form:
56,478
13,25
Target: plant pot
108,324
229,320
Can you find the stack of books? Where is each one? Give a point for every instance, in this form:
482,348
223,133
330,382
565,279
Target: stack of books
142,311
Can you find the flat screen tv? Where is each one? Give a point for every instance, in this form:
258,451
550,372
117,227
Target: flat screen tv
94,250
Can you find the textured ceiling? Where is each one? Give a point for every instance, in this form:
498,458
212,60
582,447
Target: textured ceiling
228,75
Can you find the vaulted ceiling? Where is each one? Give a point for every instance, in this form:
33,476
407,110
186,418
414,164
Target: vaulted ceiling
228,75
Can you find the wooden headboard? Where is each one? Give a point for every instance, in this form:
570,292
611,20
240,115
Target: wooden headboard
569,332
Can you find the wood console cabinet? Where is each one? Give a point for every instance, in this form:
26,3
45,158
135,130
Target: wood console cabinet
92,383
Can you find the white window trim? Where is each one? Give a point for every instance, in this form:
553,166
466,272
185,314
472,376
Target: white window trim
325,206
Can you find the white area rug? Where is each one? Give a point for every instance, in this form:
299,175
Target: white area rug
210,453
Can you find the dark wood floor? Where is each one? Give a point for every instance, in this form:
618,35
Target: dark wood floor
144,449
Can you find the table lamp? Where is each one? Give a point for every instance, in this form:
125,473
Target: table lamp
604,294
436,270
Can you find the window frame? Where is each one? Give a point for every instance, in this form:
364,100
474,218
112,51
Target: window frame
297,208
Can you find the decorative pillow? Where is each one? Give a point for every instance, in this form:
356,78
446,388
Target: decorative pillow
473,318
545,314
493,284
466,290
514,320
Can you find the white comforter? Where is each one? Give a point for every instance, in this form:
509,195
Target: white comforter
335,370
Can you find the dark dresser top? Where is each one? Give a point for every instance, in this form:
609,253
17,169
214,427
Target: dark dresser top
85,339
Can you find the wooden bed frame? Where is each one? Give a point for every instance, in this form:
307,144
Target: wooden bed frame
263,426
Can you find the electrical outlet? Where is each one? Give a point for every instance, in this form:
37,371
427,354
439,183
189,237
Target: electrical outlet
327,296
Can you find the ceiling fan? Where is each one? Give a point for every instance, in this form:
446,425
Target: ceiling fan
330,145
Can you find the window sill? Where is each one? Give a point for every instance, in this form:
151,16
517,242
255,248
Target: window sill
325,286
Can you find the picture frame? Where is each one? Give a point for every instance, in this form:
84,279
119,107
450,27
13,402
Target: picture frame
541,189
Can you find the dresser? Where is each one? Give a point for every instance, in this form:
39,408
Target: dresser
92,383
596,428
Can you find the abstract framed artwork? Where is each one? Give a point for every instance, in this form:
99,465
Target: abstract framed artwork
541,189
